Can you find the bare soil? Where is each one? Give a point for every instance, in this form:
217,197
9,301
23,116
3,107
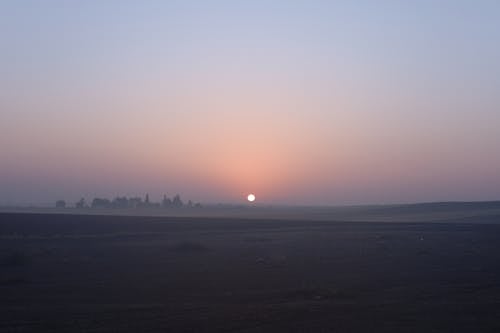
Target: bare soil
84,273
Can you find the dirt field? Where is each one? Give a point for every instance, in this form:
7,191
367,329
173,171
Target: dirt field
84,273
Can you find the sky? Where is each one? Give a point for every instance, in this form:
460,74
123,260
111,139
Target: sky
300,102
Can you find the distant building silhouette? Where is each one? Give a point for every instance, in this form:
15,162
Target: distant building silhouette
60,204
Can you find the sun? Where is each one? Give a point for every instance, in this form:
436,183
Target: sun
251,197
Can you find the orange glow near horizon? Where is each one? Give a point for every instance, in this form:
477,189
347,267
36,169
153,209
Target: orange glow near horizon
310,105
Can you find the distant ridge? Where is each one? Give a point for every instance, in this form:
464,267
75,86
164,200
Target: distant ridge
439,206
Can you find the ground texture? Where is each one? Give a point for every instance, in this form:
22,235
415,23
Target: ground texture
83,273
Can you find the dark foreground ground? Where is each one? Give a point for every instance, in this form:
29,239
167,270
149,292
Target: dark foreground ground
71,273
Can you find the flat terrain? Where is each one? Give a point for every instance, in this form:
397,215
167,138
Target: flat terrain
90,273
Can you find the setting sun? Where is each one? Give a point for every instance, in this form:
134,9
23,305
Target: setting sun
251,198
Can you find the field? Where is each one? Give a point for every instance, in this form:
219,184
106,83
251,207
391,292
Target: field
104,273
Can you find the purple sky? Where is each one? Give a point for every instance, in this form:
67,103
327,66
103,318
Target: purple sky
299,102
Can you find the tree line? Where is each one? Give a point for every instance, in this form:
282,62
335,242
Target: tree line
132,202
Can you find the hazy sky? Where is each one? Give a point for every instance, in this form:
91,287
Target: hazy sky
308,102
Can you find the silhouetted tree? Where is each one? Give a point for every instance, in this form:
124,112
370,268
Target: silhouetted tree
177,202
166,202
120,202
101,203
60,204
135,202
81,203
